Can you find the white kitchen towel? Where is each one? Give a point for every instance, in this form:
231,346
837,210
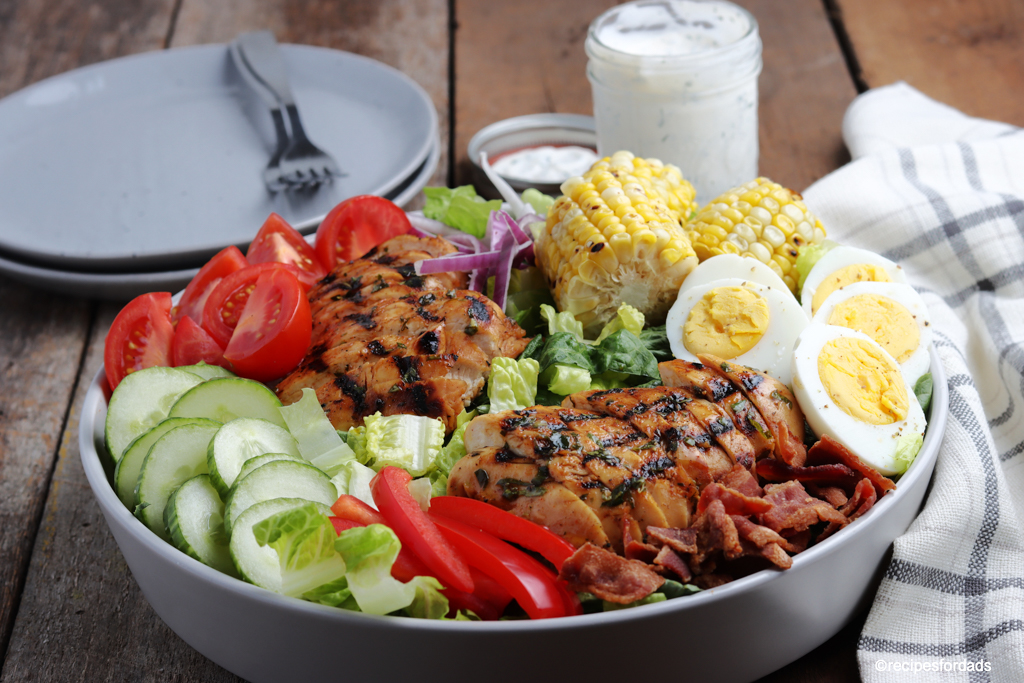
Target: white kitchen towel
943,194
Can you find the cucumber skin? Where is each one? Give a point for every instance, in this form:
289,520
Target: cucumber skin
260,460
207,371
279,466
197,401
154,519
220,561
131,501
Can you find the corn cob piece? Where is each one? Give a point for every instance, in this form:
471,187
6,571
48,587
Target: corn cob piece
616,237
760,219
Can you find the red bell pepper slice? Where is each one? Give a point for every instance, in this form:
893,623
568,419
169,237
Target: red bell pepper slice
415,529
506,526
351,508
530,583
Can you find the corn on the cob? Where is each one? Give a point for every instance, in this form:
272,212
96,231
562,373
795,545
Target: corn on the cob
761,219
616,237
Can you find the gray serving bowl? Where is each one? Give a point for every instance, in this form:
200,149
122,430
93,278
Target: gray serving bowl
738,632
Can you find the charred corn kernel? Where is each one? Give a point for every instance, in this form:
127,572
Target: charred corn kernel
760,219
617,236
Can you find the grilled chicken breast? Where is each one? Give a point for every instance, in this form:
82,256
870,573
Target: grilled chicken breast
607,462
388,340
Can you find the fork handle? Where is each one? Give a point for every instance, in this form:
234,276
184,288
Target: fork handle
261,53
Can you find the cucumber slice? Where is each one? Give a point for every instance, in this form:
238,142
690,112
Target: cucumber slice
278,479
126,474
141,400
260,564
195,520
238,441
225,398
260,460
176,457
207,371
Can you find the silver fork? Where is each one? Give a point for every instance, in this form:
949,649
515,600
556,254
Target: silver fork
299,164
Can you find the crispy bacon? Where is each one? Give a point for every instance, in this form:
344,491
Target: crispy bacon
793,509
680,540
669,560
834,495
863,499
829,475
735,502
828,451
609,576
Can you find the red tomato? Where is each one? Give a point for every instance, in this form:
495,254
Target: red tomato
193,299
505,526
193,344
281,243
140,337
532,585
274,329
356,226
415,529
225,303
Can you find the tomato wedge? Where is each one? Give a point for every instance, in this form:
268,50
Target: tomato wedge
530,583
193,299
226,302
415,529
274,329
278,242
506,526
140,337
193,344
356,226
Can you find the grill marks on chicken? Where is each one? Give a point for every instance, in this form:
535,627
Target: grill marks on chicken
388,340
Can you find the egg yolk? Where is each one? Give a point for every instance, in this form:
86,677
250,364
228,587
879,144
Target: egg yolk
886,321
864,383
858,272
726,322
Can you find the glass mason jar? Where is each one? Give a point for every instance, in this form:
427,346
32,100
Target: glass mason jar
677,80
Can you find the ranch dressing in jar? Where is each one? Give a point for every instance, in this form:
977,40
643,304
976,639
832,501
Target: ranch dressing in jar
677,80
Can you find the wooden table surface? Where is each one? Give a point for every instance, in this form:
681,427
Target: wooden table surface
69,608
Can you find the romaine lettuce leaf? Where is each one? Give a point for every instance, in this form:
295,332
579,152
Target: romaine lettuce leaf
304,540
626,318
806,257
561,322
623,352
411,442
564,348
923,391
453,451
318,441
512,384
460,208
537,200
907,448
565,379
353,479
369,552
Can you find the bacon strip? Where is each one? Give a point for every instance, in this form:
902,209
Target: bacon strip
831,474
735,502
680,540
793,509
609,576
829,451
863,499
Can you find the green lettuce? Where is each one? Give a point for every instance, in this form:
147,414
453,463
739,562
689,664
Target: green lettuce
561,322
565,379
512,384
538,201
411,442
923,391
907,448
626,318
304,540
656,341
319,442
369,552
460,208
453,451
623,352
333,594
353,478
807,256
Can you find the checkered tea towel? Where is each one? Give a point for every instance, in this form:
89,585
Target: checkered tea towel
943,194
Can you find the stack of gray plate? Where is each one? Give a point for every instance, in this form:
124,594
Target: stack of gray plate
126,176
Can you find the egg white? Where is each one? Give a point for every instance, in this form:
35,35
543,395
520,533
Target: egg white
772,353
919,361
841,257
874,444
725,266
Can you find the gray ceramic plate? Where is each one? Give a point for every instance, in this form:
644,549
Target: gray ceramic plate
734,633
154,162
124,286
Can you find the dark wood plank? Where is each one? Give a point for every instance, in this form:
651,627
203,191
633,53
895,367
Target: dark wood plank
82,616
43,335
527,57
969,55
410,35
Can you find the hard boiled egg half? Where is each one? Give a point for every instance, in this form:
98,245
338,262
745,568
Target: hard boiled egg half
843,266
852,389
736,319
892,314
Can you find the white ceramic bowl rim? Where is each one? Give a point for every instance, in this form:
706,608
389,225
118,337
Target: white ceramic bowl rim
91,436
